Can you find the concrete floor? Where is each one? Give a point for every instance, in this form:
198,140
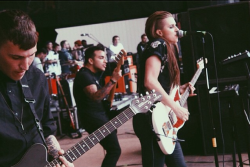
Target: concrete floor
131,152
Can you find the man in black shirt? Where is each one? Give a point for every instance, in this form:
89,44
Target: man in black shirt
141,46
18,132
89,95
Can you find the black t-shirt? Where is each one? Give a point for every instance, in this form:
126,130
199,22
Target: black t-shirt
86,106
156,47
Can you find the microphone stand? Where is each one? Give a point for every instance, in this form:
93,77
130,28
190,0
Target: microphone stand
209,107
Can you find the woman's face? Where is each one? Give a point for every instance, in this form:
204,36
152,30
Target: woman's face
169,30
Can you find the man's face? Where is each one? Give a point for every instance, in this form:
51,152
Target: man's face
116,41
144,39
99,61
14,62
50,46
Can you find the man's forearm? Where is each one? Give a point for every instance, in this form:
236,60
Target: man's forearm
103,92
53,146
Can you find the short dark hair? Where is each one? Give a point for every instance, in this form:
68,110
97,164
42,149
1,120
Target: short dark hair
114,37
89,53
55,45
42,50
143,35
17,27
62,43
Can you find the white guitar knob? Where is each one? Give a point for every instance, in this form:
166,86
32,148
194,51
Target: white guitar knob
147,93
143,99
137,101
148,97
146,107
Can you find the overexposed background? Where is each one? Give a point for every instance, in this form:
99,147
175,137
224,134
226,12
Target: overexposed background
129,31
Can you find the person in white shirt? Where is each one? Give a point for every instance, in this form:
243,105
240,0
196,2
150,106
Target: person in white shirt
38,61
116,46
52,60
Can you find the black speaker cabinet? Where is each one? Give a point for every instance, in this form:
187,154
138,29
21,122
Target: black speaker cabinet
227,28
228,34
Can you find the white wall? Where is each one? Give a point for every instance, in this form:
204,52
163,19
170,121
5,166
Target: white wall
129,31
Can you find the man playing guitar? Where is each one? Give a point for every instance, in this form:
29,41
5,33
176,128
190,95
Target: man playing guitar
24,93
89,94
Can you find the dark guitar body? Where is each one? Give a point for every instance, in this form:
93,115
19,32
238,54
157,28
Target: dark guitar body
36,156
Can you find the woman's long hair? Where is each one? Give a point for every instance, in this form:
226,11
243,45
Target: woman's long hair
153,23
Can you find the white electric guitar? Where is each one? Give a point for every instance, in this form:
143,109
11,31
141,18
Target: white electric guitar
165,123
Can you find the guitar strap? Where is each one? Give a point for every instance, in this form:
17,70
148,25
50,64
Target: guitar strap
28,97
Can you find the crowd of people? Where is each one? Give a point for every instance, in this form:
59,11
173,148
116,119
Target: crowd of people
25,96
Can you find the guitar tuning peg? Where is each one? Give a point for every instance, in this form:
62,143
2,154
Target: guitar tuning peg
136,97
141,95
147,93
152,91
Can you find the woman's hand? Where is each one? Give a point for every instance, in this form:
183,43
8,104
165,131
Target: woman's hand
181,113
191,89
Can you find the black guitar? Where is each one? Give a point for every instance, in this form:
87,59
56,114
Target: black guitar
36,156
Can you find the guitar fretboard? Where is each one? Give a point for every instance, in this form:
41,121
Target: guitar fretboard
193,81
87,143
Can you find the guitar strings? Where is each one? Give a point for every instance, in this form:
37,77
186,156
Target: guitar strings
76,149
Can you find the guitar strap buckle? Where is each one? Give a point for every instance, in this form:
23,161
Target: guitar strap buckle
29,100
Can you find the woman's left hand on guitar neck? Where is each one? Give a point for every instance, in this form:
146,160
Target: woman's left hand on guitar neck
184,87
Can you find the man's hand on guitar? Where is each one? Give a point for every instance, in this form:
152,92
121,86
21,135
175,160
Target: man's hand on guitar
64,161
116,75
191,88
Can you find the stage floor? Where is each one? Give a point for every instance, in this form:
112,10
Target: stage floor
131,152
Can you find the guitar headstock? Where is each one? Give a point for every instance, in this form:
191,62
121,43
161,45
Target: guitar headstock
143,104
120,57
200,63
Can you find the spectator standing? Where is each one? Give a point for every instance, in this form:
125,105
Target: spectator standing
52,60
116,46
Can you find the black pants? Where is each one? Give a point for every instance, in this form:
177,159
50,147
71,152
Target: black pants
110,143
152,156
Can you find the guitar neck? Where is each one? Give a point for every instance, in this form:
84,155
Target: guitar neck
193,81
94,138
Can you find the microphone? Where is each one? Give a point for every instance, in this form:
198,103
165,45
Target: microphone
182,33
85,34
